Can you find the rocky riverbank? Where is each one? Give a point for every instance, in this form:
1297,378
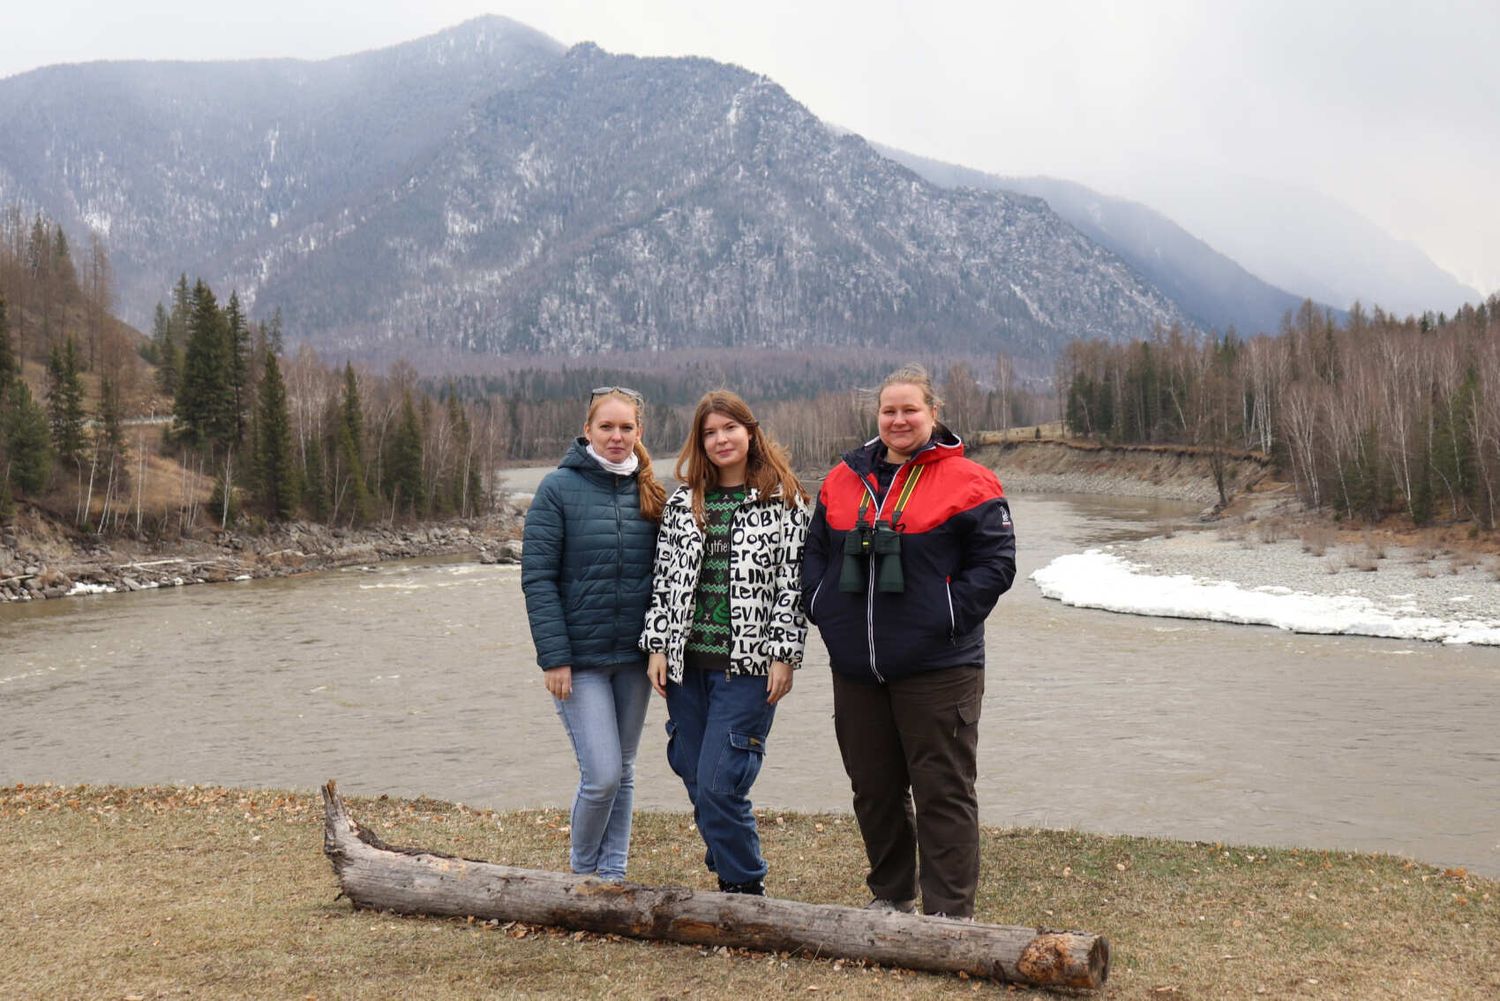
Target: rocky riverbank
39,560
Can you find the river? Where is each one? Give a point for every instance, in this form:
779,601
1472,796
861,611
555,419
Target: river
418,678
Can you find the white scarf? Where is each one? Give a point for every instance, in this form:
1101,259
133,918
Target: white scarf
625,468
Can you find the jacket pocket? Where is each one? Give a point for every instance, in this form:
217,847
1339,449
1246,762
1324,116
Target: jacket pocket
813,601
739,763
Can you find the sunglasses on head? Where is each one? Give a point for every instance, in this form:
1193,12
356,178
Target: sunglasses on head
633,394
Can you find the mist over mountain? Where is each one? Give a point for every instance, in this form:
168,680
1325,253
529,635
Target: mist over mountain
485,190
1303,241
1214,291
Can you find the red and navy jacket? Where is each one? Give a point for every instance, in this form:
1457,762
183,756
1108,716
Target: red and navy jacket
958,555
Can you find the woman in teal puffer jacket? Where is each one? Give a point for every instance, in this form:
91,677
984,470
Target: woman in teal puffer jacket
586,572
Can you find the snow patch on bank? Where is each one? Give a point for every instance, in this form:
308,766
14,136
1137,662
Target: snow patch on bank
1097,579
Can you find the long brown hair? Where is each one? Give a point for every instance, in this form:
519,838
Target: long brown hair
653,496
767,467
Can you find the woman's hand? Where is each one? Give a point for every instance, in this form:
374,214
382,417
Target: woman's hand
778,682
656,670
559,681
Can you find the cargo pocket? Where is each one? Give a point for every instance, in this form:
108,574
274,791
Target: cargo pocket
968,716
739,763
966,735
674,749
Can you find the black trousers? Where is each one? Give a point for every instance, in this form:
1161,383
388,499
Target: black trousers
909,748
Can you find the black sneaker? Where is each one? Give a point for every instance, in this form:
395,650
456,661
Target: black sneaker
753,888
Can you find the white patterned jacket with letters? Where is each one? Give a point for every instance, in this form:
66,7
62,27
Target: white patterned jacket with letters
765,562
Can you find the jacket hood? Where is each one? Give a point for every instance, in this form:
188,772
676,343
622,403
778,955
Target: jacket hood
942,445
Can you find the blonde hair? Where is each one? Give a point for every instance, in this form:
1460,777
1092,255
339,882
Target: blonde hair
653,496
767,467
913,374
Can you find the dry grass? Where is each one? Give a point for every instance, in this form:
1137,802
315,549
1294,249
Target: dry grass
1231,531
155,893
1318,537
1269,530
1461,561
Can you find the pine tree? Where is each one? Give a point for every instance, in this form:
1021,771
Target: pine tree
205,399
174,339
348,483
65,412
10,365
238,333
64,274
28,445
404,461
354,418
110,440
151,350
274,333
38,249
276,470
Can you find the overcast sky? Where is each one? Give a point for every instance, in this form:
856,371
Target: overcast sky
1390,107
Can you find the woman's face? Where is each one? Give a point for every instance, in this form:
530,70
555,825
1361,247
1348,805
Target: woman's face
905,420
614,430
727,443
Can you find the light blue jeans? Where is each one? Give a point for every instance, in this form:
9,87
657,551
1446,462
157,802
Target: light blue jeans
604,718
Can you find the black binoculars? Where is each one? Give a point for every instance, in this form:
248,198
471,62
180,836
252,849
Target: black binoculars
881,540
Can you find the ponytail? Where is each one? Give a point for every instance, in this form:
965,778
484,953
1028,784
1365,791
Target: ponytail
653,495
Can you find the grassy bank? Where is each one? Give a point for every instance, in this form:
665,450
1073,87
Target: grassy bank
167,893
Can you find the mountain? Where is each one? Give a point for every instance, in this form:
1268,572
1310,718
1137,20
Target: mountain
1301,240
1214,291
182,166
485,190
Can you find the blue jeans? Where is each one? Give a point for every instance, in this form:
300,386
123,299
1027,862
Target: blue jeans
604,718
716,741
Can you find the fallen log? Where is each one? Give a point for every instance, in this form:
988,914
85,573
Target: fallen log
377,876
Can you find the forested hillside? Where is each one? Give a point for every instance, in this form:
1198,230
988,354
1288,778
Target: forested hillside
1374,416
207,422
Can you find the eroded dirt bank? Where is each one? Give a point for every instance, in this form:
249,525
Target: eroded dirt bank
1174,472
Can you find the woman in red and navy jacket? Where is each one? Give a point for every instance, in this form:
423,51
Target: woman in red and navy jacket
910,546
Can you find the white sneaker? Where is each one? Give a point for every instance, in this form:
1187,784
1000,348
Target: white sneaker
892,906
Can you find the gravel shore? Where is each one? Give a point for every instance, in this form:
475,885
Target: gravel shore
1400,579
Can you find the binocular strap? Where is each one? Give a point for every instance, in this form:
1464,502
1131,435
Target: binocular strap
902,499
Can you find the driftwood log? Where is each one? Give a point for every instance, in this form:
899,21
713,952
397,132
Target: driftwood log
377,876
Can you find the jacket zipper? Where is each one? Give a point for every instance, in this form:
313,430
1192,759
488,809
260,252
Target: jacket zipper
952,620
619,551
870,584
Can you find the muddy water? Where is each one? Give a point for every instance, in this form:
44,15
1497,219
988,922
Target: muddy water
418,678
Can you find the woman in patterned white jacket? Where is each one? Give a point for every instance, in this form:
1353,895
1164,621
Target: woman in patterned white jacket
725,628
